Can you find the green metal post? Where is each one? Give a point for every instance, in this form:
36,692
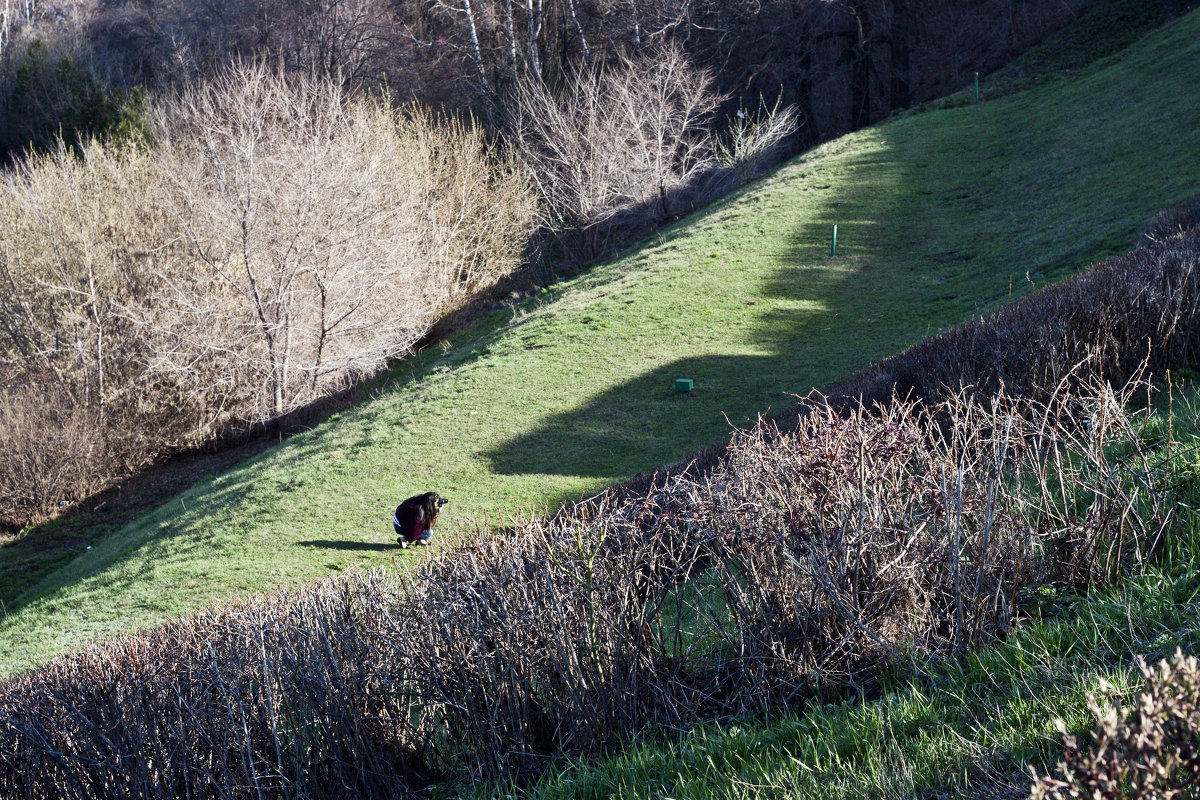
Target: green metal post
976,87
833,242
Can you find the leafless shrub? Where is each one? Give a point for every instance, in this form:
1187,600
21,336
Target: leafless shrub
79,245
323,237
53,449
627,144
618,139
298,693
1147,751
756,142
1180,220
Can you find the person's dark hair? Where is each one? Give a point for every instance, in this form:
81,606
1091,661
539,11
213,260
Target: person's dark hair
418,513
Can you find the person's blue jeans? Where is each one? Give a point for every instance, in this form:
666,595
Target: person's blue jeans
425,534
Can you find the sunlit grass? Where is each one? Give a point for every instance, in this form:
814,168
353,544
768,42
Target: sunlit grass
941,215
965,728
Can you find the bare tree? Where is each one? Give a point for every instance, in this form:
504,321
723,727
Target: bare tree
70,259
347,38
13,15
326,236
617,138
277,242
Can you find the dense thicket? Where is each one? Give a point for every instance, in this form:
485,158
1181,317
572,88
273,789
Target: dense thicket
275,242
801,560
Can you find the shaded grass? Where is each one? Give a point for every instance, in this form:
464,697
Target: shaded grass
940,215
27,558
1103,29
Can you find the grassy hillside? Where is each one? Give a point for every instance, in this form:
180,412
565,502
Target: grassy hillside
940,215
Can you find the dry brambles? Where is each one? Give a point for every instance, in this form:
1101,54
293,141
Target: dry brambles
801,563
1148,751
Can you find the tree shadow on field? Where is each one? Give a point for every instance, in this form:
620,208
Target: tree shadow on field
815,320
928,236
349,544
643,423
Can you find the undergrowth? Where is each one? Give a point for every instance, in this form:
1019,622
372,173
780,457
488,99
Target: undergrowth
966,727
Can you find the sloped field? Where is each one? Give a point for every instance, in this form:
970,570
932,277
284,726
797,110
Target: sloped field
940,215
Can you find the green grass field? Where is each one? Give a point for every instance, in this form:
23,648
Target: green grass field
941,215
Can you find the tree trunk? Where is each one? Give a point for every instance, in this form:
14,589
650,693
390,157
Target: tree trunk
535,32
860,81
901,78
476,55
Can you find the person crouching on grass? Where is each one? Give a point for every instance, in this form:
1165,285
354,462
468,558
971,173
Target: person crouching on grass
415,517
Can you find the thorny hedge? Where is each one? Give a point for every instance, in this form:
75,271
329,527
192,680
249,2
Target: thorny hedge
1147,750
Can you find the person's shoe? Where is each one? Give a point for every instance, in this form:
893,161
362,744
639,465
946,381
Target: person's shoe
424,542
403,543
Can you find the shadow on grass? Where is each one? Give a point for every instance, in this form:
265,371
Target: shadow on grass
643,423
347,544
939,219
817,320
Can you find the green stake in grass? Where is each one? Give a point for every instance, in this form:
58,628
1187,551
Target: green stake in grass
976,87
833,242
